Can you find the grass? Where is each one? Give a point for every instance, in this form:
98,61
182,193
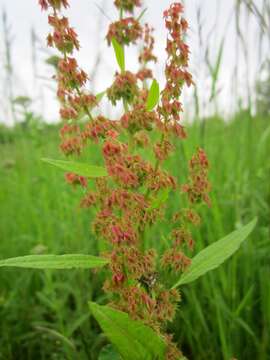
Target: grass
44,315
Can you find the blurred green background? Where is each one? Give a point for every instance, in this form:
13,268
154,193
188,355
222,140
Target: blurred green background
44,315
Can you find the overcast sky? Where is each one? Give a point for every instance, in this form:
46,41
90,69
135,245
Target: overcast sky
85,16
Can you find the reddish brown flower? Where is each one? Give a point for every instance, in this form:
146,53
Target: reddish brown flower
198,186
144,74
44,4
146,54
127,5
124,88
74,179
125,31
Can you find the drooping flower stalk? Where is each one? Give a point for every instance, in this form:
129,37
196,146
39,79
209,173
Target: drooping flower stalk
124,199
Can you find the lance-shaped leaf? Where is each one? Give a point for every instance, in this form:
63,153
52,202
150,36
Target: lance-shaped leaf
215,254
69,261
119,54
133,339
153,96
82,169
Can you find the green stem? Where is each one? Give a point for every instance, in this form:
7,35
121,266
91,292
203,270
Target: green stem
84,107
125,104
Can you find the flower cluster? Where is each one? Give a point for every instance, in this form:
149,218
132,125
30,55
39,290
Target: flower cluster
55,4
198,186
126,202
124,88
125,31
74,179
97,129
147,55
64,38
127,5
176,71
138,119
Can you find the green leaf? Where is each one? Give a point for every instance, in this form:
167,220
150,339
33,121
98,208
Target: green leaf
133,339
53,61
109,353
100,96
153,96
214,255
81,169
119,54
70,261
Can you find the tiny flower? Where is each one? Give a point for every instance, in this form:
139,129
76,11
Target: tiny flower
74,179
118,278
44,4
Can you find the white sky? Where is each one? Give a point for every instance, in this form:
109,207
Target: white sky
23,15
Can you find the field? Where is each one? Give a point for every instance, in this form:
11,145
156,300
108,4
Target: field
224,315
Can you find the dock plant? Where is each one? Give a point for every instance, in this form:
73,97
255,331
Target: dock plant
128,192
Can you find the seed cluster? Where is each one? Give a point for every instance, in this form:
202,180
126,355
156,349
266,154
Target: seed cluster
124,200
